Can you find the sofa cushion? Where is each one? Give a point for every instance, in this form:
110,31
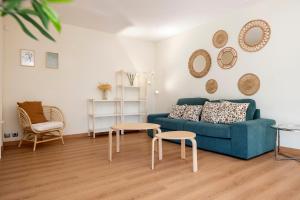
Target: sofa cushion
177,111
171,124
47,126
251,108
192,101
208,129
210,112
192,112
232,112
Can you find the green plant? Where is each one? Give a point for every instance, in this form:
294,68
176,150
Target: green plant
39,9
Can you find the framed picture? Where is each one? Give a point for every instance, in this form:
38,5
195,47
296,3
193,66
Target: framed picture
52,60
27,58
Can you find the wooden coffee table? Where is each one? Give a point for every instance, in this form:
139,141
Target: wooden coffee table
176,135
120,128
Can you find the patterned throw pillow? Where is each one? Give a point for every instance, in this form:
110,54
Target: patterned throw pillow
232,112
192,112
177,111
210,112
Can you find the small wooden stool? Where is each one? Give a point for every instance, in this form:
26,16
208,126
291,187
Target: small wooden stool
176,135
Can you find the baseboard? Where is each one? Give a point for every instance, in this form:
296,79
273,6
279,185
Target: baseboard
66,137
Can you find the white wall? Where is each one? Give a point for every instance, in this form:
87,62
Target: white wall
1,64
86,57
277,64
1,79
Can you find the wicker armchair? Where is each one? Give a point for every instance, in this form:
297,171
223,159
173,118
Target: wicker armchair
42,132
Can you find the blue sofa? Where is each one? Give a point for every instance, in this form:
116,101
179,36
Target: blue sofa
242,140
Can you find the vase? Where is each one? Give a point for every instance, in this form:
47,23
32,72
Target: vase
104,94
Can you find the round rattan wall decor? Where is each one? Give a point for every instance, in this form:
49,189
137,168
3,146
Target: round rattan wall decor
220,39
249,84
227,58
199,63
211,86
254,35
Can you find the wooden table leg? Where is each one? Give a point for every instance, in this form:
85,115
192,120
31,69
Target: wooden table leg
110,144
160,154
152,150
157,131
195,162
118,140
183,149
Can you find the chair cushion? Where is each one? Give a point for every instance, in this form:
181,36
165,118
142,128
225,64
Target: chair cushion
208,129
34,110
47,126
171,124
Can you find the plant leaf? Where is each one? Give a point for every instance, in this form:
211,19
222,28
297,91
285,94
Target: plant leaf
36,25
29,11
42,15
59,1
9,5
22,25
52,16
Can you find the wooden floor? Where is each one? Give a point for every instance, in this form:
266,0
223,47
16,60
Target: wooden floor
80,170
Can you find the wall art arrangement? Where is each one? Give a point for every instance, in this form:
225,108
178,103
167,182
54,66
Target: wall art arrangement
27,58
253,36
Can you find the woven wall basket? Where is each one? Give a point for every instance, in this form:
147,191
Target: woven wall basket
249,84
220,39
211,86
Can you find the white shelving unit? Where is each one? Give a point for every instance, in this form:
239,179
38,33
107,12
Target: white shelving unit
98,110
133,97
130,105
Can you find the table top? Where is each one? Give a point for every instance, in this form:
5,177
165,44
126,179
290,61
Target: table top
287,127
135,126
176,135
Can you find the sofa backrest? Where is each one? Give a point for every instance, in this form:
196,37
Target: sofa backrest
252,112
192,101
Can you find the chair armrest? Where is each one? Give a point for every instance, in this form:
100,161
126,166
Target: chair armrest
53,113
24,119
252,138
152,117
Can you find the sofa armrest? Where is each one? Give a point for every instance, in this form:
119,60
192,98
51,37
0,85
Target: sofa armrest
252,138
152,117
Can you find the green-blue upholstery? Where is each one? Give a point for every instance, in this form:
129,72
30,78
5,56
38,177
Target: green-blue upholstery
243,140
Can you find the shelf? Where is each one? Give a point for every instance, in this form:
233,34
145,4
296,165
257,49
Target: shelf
101,100
105,115
134,114
134,100
128,86
99,130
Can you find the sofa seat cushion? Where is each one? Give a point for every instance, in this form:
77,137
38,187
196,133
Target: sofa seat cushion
171,124
208,129
40,127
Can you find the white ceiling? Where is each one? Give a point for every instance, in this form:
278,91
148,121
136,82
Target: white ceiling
147,19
